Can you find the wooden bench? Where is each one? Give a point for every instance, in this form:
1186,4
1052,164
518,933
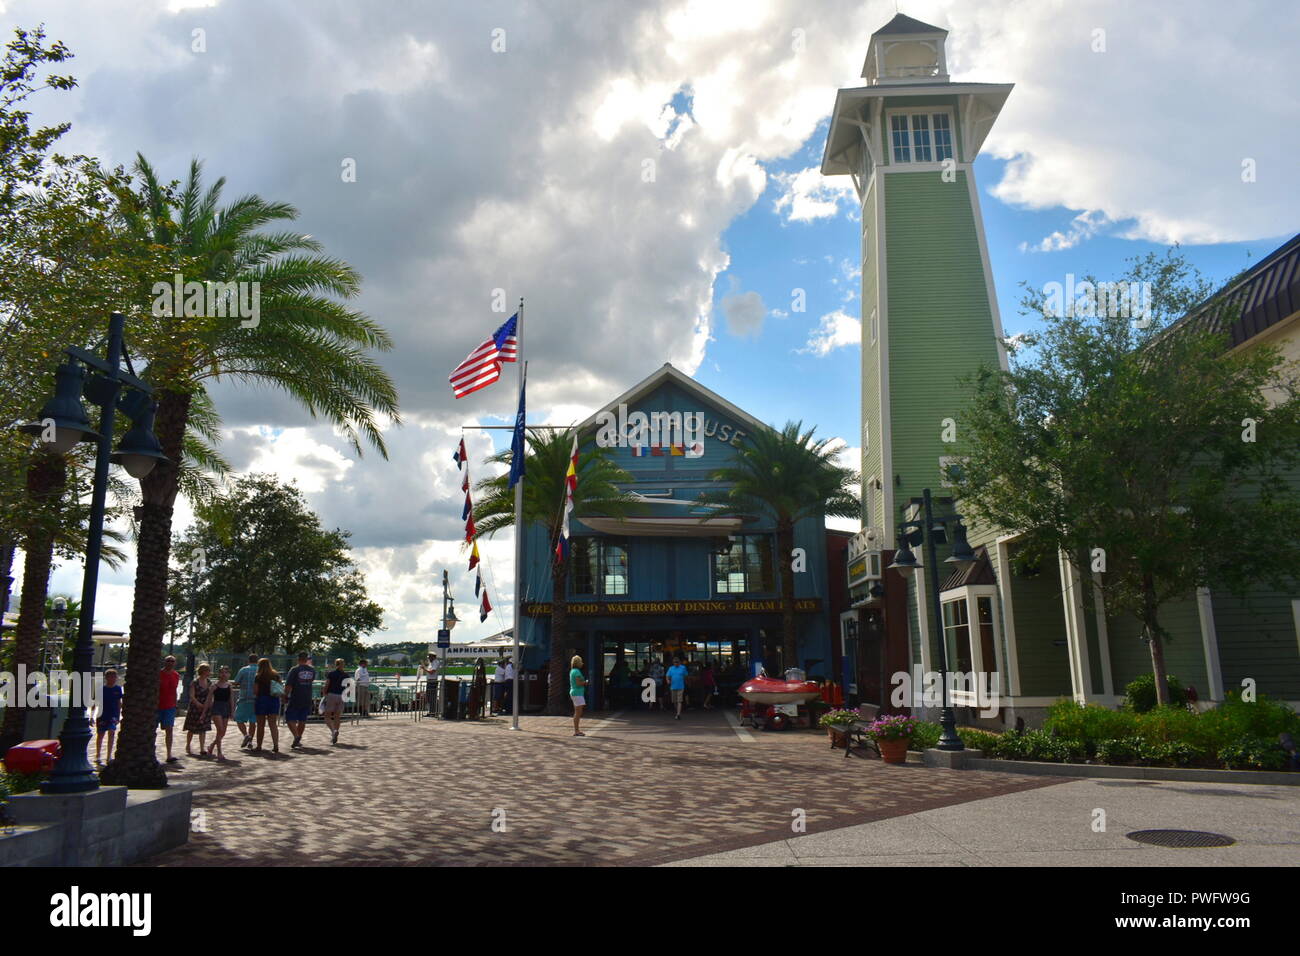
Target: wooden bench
857,732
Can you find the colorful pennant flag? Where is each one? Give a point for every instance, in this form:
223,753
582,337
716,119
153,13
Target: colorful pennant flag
473,557
466,511
570,486
470,531
484,608
478,581
482,367
459,457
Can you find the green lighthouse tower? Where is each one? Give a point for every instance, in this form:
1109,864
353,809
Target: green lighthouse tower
909,139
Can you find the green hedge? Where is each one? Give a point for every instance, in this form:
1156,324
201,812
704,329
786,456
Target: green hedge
1237,734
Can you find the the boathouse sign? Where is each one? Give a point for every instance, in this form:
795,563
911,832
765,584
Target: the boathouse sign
628,608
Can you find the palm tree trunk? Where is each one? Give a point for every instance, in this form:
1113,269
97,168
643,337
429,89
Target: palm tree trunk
46,478
557,694
7,549
136,764
784,553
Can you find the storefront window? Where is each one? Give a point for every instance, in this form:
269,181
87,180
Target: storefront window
745,567
599,568
956,629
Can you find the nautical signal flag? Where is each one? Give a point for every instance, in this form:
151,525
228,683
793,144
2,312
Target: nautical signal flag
482,366
478,581
473,559
467,510
693,450
459,457
570,486
470,531
484,608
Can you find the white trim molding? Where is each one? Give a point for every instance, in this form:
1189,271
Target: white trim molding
1210,643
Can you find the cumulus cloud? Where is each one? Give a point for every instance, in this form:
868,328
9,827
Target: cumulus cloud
836,330
808,195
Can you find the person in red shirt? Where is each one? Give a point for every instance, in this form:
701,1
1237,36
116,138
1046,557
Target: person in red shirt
168,682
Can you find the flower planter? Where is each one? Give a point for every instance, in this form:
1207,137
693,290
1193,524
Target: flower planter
893,751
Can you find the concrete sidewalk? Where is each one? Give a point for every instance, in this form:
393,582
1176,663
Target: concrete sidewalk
1053,826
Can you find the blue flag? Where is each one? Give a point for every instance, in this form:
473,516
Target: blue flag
517,443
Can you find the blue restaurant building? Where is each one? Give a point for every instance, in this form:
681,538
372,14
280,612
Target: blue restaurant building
675,579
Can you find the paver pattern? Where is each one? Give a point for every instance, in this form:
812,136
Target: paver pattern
641,789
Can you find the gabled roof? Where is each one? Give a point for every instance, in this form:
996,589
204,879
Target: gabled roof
902,23
669,374
980,571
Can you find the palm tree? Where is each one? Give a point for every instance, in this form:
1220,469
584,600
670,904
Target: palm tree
598,493
306,343
55,523
790,476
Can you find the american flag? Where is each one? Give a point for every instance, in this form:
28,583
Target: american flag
483,366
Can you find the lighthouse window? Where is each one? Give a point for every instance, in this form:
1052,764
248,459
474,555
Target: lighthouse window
898,132
921,137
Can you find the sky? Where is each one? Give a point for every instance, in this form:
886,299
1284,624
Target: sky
646,176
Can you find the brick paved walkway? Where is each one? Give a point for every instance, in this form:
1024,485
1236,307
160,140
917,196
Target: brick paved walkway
641,789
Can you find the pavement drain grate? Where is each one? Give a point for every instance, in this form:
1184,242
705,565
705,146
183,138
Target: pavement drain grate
1180,838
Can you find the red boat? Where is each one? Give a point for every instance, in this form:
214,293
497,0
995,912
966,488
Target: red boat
769,690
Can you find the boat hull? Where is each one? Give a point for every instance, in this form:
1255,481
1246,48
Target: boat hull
764,690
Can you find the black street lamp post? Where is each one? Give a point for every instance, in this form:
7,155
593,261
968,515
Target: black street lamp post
923,531
138,453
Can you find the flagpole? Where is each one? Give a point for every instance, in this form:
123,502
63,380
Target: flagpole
519,534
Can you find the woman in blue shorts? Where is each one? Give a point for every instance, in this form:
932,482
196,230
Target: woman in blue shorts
268,689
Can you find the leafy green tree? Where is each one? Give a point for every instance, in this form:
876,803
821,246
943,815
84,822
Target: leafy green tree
599,492
305,342
1130,440
263,572
787,475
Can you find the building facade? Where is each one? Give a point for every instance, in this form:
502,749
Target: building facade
675,578
908,138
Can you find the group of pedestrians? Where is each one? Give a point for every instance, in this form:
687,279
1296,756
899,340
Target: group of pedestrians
255,698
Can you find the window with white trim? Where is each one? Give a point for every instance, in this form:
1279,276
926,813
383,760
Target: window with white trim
921,136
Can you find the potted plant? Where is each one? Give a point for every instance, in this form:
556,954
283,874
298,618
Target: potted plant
893,734
837,723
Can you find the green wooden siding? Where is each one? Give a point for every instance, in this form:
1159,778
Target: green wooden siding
1184,652
940,325
1041,650
1257,639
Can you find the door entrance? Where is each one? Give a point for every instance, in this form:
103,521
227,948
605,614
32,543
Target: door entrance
628,657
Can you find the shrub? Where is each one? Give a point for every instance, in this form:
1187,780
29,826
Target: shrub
1041,745
1088,722
977,739
926,735
1119,750
1165,724
1253,753
1140,694
1236,718
1169,754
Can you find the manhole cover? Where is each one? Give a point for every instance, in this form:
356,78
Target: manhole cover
1180,838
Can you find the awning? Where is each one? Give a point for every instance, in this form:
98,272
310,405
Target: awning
680,527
